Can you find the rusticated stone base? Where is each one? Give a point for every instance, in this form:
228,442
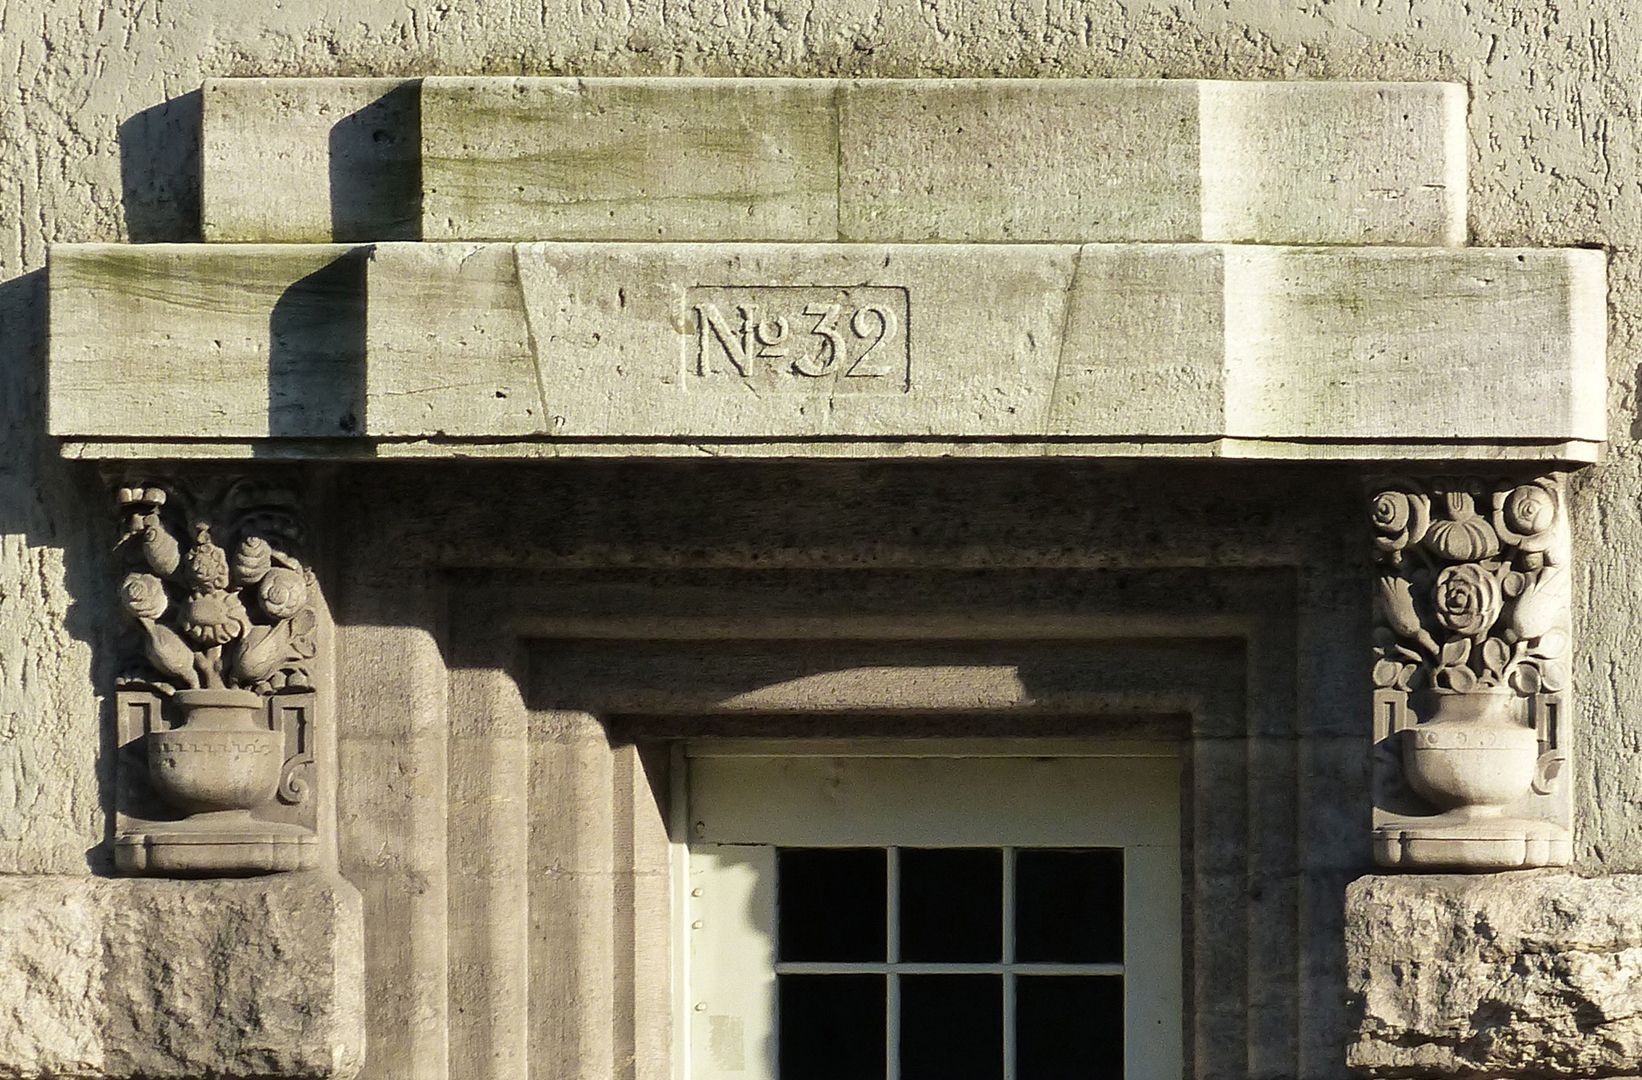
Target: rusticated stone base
1531,974
121,979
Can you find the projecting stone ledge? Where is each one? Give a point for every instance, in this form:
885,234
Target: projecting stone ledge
1532,974
169,980
558,349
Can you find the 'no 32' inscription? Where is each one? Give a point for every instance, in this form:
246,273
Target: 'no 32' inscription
813,338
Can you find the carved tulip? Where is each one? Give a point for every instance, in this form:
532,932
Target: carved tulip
1467,599
143,596
1463,536
282,592
1543,606
159,546
1394,609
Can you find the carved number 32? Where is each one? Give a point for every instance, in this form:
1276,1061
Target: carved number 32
869,322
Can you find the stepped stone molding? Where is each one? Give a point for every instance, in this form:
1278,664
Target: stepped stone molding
216,710
1472,655
888,160
1165,350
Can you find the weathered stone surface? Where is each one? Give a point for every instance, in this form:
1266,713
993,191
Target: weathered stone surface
1103,341
105,980
310,160
168,339
821,159
629,159
1130,160
1535,974
1304,348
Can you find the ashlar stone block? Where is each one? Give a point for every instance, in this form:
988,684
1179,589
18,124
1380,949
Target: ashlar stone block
119,979
1527,974
630,159
1094,349
310,160
978,160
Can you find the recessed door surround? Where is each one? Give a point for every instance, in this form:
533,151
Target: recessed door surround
462,371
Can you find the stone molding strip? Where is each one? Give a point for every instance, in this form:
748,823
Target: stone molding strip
1175,350
881,160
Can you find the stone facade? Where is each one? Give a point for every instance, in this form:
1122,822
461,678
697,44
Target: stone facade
295,575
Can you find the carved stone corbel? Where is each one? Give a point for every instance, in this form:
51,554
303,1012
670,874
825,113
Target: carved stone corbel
216,709
1471,673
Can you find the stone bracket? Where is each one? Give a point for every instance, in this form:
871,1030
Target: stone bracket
216,712
1472,670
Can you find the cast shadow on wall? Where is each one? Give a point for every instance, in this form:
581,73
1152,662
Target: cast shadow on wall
315,347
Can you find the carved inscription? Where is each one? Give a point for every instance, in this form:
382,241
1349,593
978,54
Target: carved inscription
832,339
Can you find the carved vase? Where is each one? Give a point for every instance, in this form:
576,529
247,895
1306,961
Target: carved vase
223,759
1473,757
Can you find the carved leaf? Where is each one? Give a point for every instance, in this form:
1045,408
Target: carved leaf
262,652
1386,673
1552,645
1495,655
1526,679
169,653
1458,678
1456,651
1553,676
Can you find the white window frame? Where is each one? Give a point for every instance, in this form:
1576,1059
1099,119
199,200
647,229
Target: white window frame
736,801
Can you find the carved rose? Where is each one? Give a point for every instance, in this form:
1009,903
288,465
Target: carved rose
1399,519
1464,536
206,564
252,560
1530,510
143,595
214,618
282,592
1468,599
1391,512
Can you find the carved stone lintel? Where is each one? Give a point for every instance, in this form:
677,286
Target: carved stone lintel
1471,673
216,711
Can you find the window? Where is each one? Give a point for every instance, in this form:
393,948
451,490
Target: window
854,916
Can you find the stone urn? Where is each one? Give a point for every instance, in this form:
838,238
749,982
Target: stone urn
223,759
1473,757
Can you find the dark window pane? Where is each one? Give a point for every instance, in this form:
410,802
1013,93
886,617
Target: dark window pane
1069,906
952,904
951,1027
830,903
1068,1027
831,1027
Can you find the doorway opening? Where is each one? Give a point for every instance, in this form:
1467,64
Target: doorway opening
984,910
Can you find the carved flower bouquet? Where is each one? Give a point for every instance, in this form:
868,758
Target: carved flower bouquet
1467,602
1473,610
222,626
210,621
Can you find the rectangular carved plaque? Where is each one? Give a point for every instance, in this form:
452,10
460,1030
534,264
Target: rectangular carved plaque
833,339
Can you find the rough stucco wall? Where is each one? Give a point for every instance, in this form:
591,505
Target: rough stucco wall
89,150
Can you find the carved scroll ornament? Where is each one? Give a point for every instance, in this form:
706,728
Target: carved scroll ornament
1471,672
